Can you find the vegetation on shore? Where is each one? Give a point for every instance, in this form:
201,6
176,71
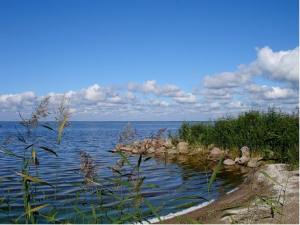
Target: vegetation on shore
273,135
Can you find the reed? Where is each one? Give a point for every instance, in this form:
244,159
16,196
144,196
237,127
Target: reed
29,160
272,134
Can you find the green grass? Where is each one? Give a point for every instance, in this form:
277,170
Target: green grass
272,134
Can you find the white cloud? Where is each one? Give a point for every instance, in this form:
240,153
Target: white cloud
13,101
226,80
168,90
95,93
222,93
281,65
271,93
277,66
186,98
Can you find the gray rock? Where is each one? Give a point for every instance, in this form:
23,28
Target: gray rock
126,149
151,150
135,151
245,151
228,162
160,151
215,154
183,147
243,160
168,143
172,152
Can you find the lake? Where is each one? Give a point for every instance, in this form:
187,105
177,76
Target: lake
172,183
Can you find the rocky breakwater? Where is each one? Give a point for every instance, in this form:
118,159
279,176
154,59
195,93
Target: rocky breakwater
154,147
160,147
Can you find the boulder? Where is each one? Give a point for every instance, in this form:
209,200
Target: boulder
172,152
243,160
118,146
245,151
151,150
254,162
135,151
216,154
168,143
228,162
126,149
183,147
160,151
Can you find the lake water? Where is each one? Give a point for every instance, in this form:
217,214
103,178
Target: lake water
173,181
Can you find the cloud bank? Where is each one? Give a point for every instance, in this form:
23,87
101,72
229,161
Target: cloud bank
270,80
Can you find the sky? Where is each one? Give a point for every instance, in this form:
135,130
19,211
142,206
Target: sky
149,59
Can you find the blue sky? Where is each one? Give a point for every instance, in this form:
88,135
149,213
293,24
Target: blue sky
58,46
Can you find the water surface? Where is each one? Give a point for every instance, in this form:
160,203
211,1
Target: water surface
172,180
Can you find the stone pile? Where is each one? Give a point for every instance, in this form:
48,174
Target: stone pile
164,147
157,147
244,160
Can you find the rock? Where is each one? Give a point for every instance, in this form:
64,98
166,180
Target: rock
243,160
183,147
151,150
215,154
135,151
245,151
228,162
126,149
168,143
193,153
115,150
236,159
160,151
118,146
254,162
172,152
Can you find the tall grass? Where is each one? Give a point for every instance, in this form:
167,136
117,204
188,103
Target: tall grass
29,160
273,134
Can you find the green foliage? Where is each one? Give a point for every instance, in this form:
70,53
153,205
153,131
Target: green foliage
273,134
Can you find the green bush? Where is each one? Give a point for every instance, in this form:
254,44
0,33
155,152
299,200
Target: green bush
273,134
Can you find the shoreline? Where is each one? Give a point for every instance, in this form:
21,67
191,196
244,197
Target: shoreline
186,211
241,200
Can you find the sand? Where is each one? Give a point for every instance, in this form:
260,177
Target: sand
270,194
